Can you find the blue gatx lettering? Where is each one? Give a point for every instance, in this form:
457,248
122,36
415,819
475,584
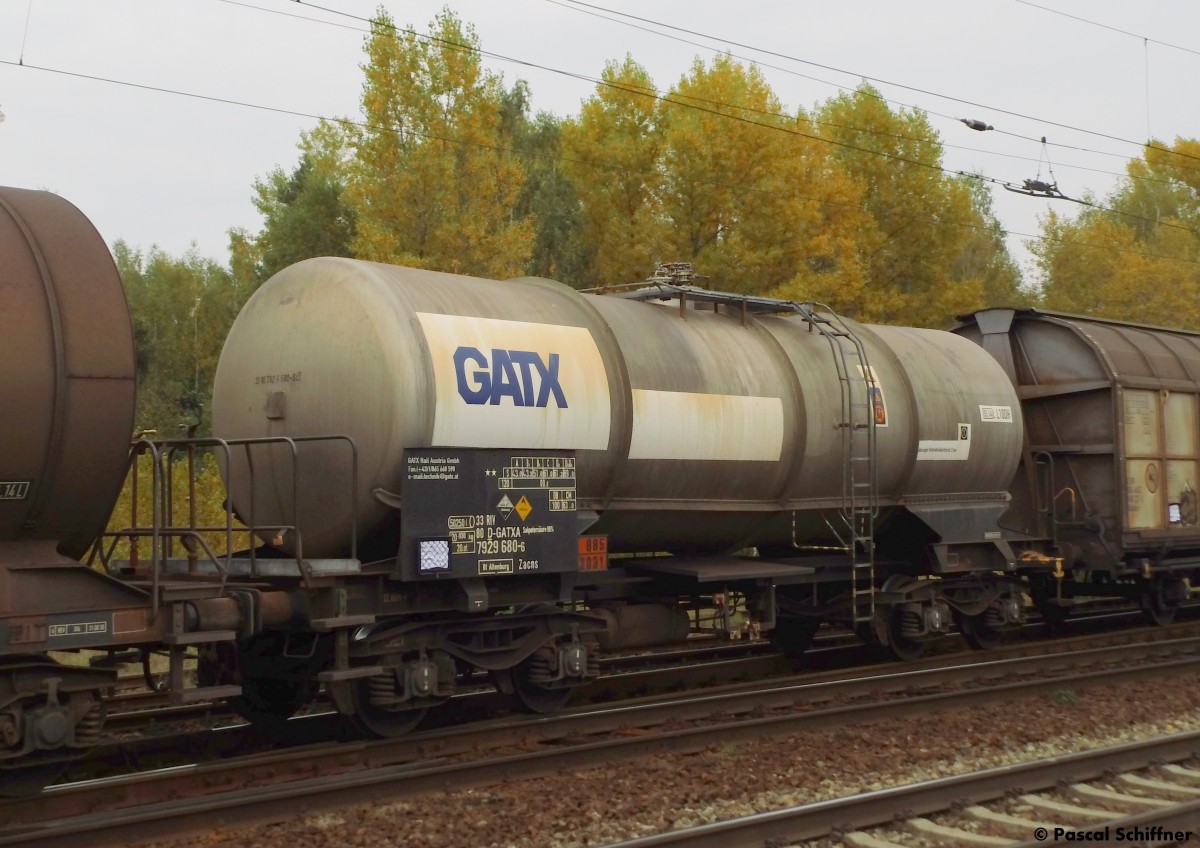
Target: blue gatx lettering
508,374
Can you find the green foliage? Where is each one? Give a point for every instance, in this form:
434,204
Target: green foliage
182,308
208,504
448,171
985,256
304,212
550,201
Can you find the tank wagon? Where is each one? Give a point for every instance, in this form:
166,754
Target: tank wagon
437,474
519,443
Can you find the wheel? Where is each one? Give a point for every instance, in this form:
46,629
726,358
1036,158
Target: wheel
977,632
1053,614
1155,608
274,687
793,635
530,695
371,716
46,703
900,646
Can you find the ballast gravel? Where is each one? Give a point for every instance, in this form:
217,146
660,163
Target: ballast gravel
642,797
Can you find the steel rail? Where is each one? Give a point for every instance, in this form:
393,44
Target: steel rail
239,804
873,809
646,711
470,724
704,666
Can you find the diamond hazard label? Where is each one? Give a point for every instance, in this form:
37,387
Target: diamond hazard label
505,507
524,507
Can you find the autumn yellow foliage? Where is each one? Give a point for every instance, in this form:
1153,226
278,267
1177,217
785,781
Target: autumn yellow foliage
1136,255
432,182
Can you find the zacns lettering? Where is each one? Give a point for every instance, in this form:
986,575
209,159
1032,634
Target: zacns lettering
519,375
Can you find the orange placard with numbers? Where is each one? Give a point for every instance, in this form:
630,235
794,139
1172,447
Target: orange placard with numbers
593,553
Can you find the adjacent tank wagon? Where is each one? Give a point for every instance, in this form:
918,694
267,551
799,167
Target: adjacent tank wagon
67,390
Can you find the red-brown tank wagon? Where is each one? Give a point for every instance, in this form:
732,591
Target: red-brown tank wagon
67,380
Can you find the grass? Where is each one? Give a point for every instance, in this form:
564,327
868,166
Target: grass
209,505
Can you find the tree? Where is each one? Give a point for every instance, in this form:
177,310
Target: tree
304,212
1140,261
612,156
432,182
1097,265
748,192
985,257
548,199
919,219
182,309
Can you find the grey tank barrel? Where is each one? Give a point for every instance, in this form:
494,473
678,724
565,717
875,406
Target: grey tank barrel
695,428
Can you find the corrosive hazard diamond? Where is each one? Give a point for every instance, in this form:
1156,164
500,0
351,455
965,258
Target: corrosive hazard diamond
505,507
524,507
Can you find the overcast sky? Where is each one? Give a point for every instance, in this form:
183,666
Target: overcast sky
161,169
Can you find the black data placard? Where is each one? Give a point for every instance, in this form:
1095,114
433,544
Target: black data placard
477,512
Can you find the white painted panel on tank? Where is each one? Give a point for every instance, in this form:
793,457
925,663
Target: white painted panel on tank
515,384
946,449
694,425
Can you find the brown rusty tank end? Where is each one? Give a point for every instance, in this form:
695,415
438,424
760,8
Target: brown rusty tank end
66,388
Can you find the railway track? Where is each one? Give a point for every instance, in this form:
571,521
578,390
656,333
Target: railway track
267,786
1139,793
165,738
623,676
138,705
195,734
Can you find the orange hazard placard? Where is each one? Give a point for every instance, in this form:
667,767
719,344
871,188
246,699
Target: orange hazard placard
593,553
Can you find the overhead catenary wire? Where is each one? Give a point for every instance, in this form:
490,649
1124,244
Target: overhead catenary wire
1144,38
593,164
879,80
655,92
25,32
889,101
349,122
741,187
672,99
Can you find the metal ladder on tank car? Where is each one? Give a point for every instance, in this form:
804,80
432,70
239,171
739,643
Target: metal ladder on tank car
860,489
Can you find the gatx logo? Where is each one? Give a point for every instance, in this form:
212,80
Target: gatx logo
521,375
